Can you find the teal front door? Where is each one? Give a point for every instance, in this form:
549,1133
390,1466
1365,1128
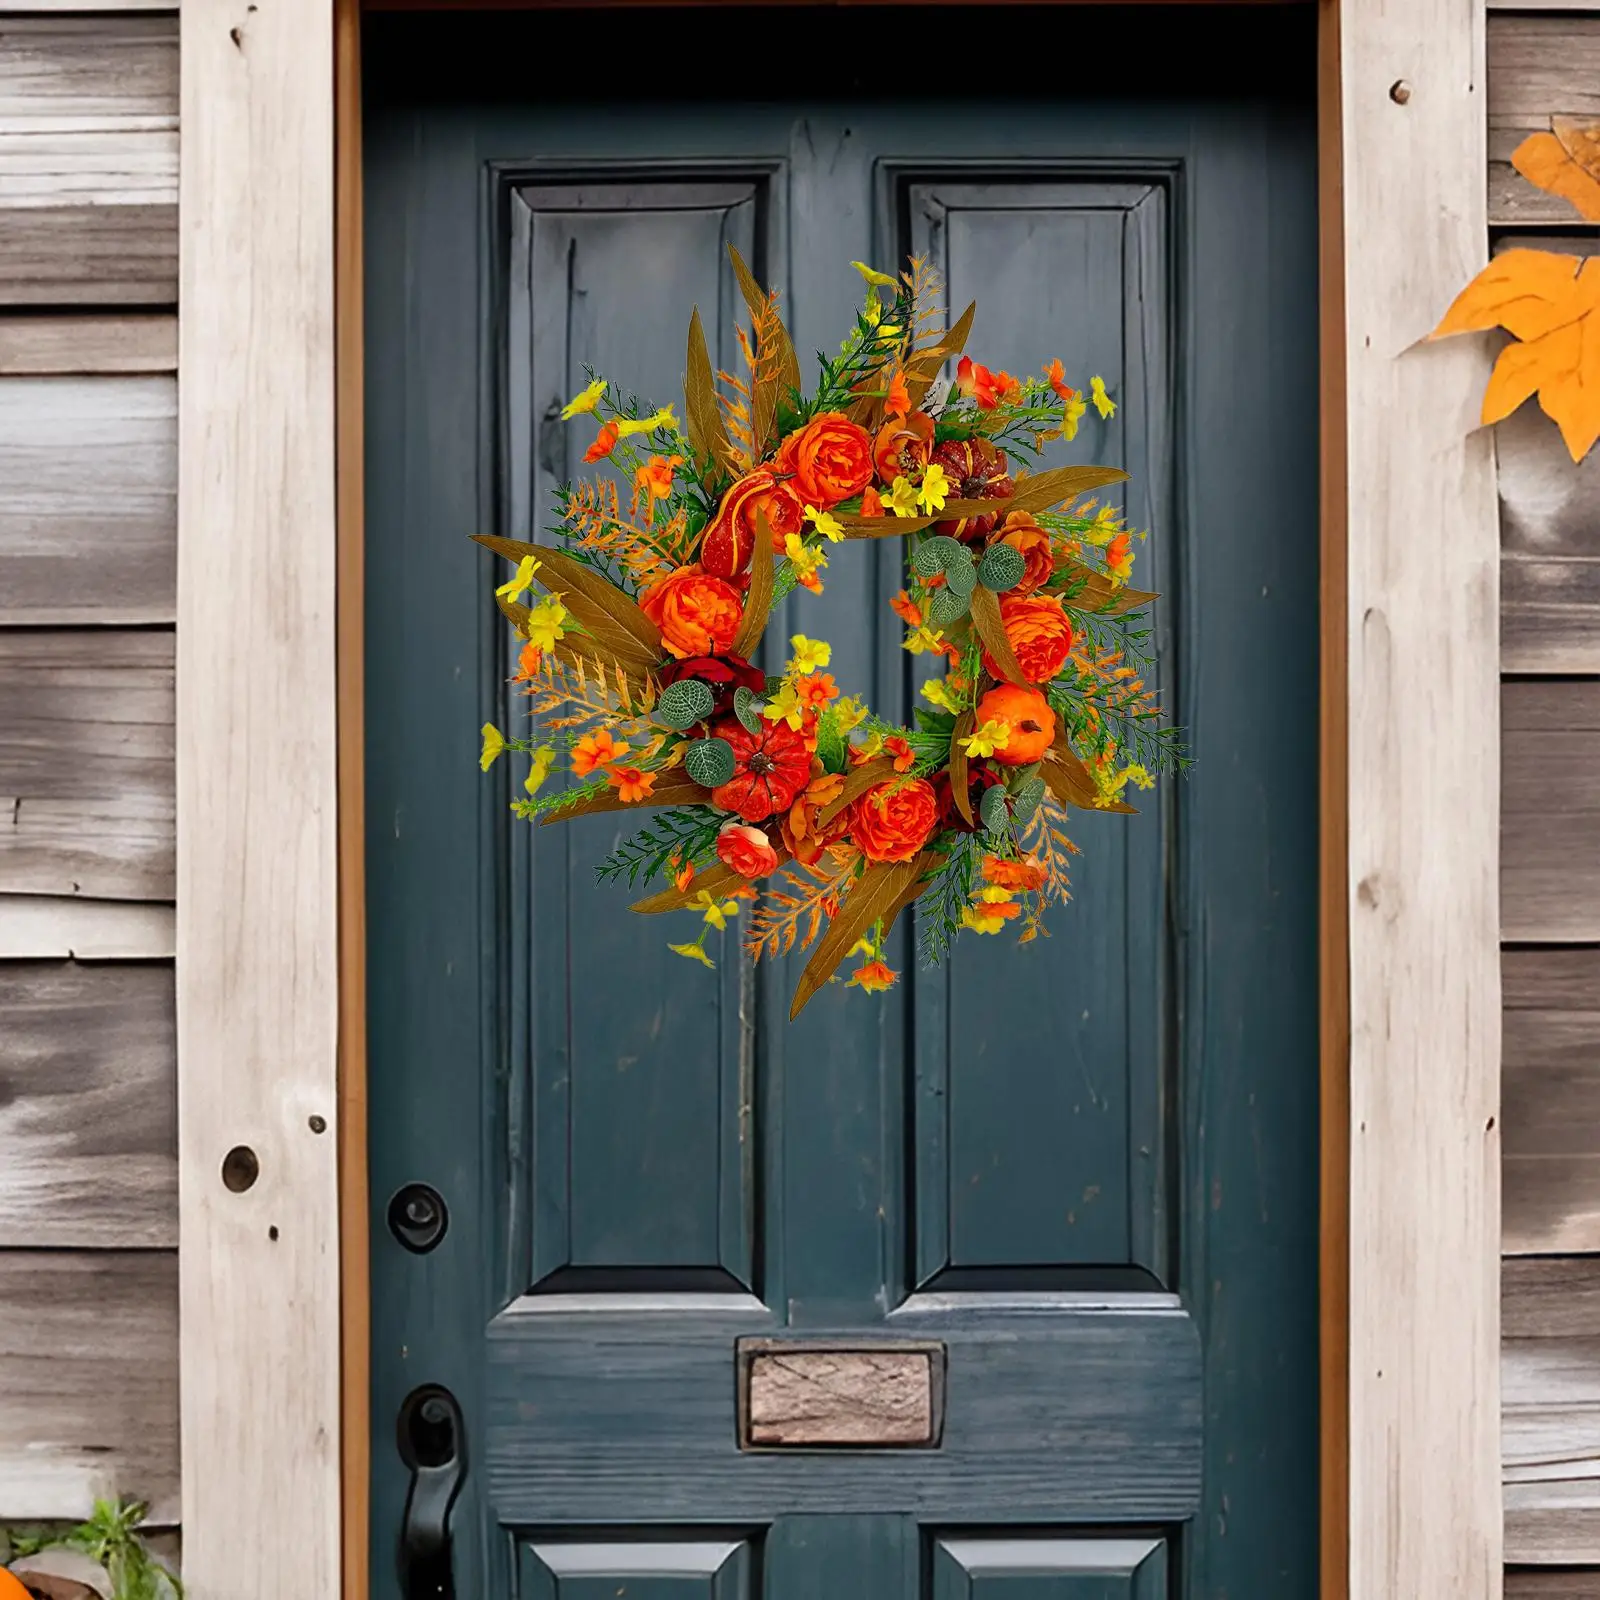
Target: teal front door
1000,1285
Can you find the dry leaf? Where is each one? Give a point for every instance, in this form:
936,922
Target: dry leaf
758,598
702,415
1565,163
716,880
986,619
960,777
880,769
1546,301
672,788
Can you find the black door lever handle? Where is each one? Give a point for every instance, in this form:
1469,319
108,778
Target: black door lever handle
432,1442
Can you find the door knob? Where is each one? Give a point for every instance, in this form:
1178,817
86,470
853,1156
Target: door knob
432,1442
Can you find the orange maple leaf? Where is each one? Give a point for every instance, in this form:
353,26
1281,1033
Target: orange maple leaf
1564,162
1547,303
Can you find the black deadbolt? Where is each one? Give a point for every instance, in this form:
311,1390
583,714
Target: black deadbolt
417,1217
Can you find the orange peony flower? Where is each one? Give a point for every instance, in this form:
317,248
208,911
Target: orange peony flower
873,976
731,535
802,835
1027,716
830,459
901,447
892,821
1040,636
746,850
655,477
1032,543
1025,874
605,442
698,614
631,784
596,750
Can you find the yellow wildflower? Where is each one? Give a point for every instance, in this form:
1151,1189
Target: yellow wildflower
849,713
807,560
715,912
935,487
1072,415
882,279
494,743
1104,527
924,639
902,497
543,758
519,580
666,417
694,952
937,692
1103,403
809,655
862,947
993,735
786,706
871,746
547,622
585,399
828,525
992,910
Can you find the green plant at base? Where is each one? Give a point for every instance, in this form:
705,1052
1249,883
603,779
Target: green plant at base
111,1539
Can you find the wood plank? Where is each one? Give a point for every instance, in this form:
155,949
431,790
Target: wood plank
41,344
52,7
1422,625
88,1106
1550,831
46,927
88,159
88,499
1539,66
1552,1583
1551,1100
258,1004
89,1371
86,763
1552,1409
1550,549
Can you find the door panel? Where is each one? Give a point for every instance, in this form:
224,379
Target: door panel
1081,1170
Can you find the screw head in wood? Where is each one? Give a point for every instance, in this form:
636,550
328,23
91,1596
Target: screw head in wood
1400,91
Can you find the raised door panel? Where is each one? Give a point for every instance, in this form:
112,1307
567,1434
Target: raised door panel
1049,1569
653,1569
635,1097
1043,1070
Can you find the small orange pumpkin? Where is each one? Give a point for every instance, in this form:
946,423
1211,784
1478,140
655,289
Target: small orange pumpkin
11,1587
1027,714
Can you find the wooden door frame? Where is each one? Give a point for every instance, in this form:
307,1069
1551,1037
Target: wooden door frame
271,895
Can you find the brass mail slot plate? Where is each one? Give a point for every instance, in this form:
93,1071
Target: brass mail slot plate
810,1394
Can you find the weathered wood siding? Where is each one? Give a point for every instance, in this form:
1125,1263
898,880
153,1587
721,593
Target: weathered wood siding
1541,63
88,526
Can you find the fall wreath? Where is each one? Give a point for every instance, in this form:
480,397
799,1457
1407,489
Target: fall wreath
640,650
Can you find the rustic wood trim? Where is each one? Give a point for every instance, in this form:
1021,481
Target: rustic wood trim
1333,841
257,997
62,927
356,1286
1423,808
47,345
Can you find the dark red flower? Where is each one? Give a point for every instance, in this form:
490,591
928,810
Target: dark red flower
720,674
979,778
977,471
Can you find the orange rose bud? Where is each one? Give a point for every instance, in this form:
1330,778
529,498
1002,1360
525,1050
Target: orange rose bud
1040,635
731,536
698,614
871,502
746,850
1027,714
892,821
1032,543
830,458
604,442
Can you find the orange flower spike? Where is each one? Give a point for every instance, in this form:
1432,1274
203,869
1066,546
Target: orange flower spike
605,442
631,784
596,750
897,403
